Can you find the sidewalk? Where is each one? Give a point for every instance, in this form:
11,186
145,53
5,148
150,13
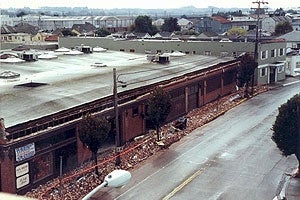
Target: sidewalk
288,81
292,190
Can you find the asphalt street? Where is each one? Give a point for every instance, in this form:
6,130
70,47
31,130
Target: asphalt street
233,157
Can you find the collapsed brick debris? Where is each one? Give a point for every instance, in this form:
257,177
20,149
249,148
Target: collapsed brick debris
82,181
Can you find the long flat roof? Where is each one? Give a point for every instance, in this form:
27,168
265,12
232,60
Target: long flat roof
72,80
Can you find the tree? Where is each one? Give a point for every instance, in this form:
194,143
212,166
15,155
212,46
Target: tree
93,132
102,32
159,107
246,71
283,28
170,25
286,128
68,32
21,14
237,31
143,24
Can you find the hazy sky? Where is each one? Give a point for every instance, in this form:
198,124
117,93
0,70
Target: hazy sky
146,3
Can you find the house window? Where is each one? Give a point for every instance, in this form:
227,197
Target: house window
135,111
193,89
280,69
264,54
263,72
122,49
281,52
273,53
132,50
207,53
224,53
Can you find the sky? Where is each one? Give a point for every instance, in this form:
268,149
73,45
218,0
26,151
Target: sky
146,4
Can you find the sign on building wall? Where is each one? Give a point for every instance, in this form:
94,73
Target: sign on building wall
22,181
25,152
22,169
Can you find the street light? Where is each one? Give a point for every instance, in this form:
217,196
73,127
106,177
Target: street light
116,178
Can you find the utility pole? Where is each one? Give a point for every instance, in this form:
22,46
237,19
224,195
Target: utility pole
258,9
116,108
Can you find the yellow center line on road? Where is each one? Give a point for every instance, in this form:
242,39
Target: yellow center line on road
179,187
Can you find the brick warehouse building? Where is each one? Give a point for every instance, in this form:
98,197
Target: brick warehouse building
31,153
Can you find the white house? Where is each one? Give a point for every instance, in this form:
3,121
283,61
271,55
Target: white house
293,63
185,24
292,40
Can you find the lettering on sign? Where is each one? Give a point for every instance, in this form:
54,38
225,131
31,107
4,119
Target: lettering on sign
22,181
25,152
22,169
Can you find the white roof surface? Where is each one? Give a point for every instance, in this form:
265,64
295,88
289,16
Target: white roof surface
71,80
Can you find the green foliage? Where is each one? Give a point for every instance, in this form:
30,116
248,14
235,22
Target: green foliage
283,28
237,13
170,25
143,24
237,31
285,129
246,70
93,131
68,32
159,107
102,32
21,13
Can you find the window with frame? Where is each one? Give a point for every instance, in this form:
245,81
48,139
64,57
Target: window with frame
280,69
207,53
135,111
281,52
263,72
273,53
193,89
264,54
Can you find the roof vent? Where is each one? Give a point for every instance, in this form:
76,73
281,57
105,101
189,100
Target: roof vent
31,84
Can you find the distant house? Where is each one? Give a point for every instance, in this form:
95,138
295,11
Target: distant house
293,52
86,29
215,24
292,39
185,24
6,29
295,21
16,37
269,23
143,35
26,28
52,38
39,37
220,24
159,22
113,23
244,22
293,63
164,35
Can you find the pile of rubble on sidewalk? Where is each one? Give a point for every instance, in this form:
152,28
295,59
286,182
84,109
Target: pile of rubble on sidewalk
76,184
